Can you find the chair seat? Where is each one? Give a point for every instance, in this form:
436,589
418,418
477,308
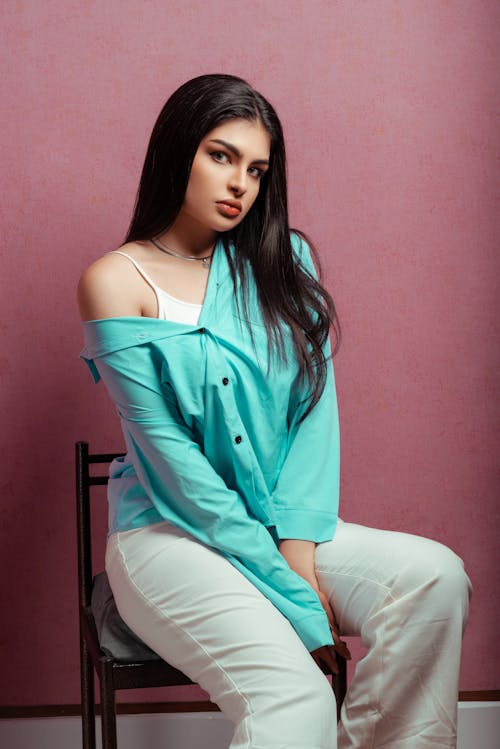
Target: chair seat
115,637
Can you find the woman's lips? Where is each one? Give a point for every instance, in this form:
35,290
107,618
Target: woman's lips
231,210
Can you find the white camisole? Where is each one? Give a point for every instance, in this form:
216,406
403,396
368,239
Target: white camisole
169,308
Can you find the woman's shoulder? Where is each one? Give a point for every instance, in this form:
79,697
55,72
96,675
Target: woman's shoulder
113,259
108,287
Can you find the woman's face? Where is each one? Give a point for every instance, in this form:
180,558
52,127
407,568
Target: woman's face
225,177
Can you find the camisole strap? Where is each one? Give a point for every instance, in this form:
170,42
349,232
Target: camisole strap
157,289
169,308
140,270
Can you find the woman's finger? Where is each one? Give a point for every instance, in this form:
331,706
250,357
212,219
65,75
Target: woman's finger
326,654
331,659
342,649
328,610
339,644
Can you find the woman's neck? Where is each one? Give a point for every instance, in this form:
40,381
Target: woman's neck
188,237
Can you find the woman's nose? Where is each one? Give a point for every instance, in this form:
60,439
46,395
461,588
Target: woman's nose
238,182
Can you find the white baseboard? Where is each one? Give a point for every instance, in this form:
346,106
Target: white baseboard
154,731
478,728
478,725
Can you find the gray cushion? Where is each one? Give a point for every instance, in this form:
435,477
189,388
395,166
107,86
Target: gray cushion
115,637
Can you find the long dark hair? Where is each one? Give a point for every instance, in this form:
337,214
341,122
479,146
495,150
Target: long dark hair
288,292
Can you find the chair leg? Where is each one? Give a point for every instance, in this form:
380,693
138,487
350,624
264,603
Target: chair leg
87,694
108,705
339,684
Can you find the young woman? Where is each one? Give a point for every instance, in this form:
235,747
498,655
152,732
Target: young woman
209,328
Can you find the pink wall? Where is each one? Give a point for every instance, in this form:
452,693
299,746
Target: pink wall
389,110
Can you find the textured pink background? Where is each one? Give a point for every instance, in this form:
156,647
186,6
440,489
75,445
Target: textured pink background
391,117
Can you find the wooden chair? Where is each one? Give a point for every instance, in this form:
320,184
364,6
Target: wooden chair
107,645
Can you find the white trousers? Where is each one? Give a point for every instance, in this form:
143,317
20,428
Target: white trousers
406,596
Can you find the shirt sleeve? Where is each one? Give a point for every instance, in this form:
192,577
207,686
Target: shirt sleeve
306,495
186,490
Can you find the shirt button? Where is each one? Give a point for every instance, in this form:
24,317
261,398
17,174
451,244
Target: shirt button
201,330
225,381
237,439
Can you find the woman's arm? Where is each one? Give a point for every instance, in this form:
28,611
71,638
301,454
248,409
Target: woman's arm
300,558
306,494
299,555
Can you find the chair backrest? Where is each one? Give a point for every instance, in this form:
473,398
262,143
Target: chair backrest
84,481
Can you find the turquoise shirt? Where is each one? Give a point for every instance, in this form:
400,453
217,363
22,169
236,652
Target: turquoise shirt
213,440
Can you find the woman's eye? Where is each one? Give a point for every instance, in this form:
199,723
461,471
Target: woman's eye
219,156
256,172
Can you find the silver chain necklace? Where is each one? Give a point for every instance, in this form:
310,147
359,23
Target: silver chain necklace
205,261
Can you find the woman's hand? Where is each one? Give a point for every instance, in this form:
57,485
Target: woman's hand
300,558
327,653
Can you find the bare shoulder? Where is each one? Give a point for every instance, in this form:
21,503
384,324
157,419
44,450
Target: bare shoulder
109,288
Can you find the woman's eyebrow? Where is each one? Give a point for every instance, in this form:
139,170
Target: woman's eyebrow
236,152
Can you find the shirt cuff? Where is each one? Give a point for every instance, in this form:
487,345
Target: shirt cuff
314,631
306,525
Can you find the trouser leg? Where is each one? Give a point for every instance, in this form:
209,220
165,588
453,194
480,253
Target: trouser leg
203,616
407,597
